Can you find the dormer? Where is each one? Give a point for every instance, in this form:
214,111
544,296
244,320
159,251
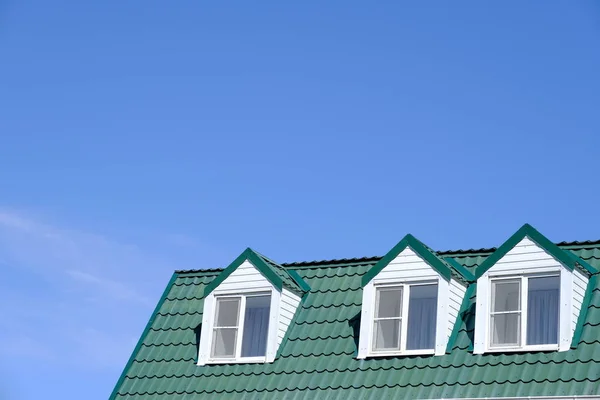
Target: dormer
248,308
529,295
411,300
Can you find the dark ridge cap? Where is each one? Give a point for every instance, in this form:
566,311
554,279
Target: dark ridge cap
359,260
468,252
473,252
579,243
191,271
355,260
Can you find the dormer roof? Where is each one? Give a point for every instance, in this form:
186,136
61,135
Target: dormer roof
565,257
277,275
441,266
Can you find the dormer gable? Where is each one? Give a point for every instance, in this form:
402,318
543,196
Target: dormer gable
248,308
529,295
411,300
274,273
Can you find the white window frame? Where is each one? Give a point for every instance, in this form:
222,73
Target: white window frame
405,286
209,320
240,328
524,288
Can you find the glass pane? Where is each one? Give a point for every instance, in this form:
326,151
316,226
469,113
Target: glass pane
543,303
224,343
386,335
388,303
506,329
256,326
422,316
506,295
227,311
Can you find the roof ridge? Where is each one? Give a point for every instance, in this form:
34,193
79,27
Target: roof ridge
357,260
578,243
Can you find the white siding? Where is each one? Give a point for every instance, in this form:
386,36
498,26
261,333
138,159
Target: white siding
580,283
288,307
525,258
455,299
441,328
366,320
207,327
245,277
407,265
481,315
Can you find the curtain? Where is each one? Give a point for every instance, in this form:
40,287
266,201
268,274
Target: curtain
256,326
506,329
422,314
542,318
387,334
224,342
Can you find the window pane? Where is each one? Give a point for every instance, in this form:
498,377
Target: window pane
224,343
422,316
256,326
543,310
506,295
386,335
506,329
227,311
388,303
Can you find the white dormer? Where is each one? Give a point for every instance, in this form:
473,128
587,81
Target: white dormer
411,300
247,311
529,296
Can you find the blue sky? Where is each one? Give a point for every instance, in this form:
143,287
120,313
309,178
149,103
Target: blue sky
141,137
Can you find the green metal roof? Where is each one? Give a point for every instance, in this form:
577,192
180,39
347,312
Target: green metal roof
317,359
289,278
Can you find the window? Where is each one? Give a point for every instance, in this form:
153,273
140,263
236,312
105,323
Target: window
405,318
524,311
388,319
252,325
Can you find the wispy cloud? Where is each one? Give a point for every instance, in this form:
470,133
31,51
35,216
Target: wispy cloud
12,220
73,294
114,289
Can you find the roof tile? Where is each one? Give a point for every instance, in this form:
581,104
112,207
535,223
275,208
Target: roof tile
317,360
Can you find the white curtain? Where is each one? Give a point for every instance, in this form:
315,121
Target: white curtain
542,318
256,326
506,329
387,335
421,323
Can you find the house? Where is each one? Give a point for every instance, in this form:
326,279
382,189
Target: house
521,321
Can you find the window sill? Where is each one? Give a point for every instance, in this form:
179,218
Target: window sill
523,349
245,360
426,352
